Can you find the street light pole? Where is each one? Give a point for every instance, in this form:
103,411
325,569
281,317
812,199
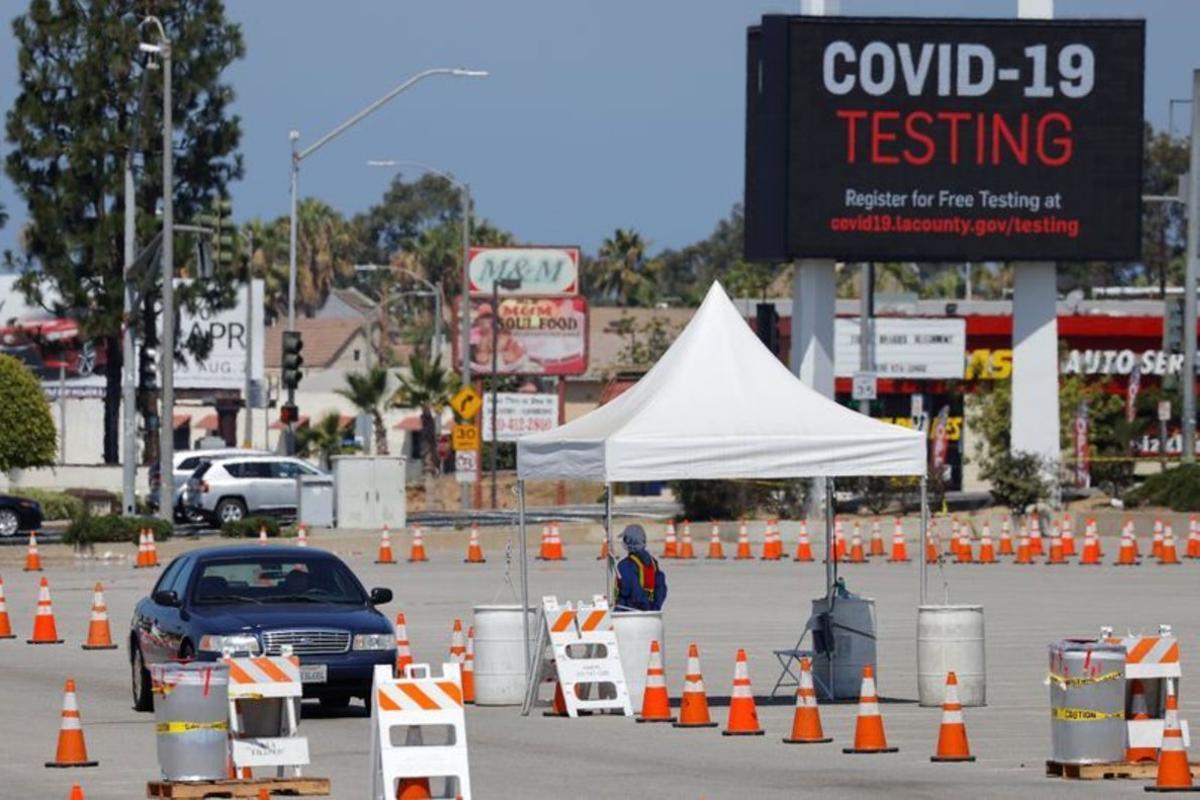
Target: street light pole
1191,268
128,347
299,155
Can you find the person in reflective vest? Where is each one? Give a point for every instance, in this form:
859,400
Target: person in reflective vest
641,583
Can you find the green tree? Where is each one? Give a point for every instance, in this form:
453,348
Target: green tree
269,262
69,129
322,440
368,392
428,386
644,343
325,246
623,273
27,433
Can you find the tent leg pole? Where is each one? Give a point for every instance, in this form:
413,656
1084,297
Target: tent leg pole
608,566
524,553
921,545
830,561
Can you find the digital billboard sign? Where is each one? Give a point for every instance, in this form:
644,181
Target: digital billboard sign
944,139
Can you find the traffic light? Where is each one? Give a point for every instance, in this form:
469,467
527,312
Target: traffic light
289,413
766,325
292,359
148,368
225,235
1173,325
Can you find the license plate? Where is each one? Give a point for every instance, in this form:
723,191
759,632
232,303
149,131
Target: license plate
314,673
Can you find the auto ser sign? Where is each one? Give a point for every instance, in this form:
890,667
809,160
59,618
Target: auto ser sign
879,139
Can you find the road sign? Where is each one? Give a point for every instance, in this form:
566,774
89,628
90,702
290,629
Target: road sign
864,386
1164,410
466,464
466,437
466,403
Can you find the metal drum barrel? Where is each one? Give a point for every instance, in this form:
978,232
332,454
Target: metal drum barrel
1087,702
851,624
950,639
499,658
191,715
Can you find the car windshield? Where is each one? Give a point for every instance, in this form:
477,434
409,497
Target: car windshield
276,579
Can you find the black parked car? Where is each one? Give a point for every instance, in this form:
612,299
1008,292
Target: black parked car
18,514
255,600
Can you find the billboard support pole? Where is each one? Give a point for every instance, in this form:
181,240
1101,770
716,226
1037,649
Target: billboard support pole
1191,268
464,322
1035,427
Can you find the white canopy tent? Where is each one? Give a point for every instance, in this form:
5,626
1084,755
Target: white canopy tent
718,405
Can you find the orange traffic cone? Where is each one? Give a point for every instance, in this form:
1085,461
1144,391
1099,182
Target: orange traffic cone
1068,536
544,550
987,551
458,646
1157,541
262,534
301,536
151,549
877,548
899,546
693,706
1174,774
33,561
385,547
1056,549
670,544
1137,548
468,668
1090,556
403,650
417,548
556,546
803,545
806,723
1127,555
140,561
1168,555
99,635
559,708
71,752
474,550
1006,543
5,623
743,543
931,550
1138,711
685,543
77,793
952,735
839,540
1035,535
955,538
45,631
715,550
868,730
1024,550
743,716
856,547
772,542
1091,526
1193,545
656,706
964,545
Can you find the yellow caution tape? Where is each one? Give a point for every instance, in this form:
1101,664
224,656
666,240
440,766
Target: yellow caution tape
189,727
1085,681
1084,714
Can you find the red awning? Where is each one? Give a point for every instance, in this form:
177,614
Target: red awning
409,423
180,420
208,423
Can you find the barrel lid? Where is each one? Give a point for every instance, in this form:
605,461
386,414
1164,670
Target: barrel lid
501,607
1086,646
951,607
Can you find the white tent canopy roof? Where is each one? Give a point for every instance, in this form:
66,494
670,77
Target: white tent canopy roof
719,404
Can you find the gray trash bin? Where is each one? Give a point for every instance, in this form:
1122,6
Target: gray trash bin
1087,702
191,716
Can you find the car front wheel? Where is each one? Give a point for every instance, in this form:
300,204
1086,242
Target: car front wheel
143,697
230,510
9,522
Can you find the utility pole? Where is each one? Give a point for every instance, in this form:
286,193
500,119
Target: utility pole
866,326
464,324
1191,268
249,426
129,368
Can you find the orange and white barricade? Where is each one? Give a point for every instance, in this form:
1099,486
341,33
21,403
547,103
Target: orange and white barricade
414,702
264,698
1152,660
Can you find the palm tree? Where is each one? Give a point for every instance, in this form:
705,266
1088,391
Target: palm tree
626,275
323,440
324,245
269,261
367,391
429,387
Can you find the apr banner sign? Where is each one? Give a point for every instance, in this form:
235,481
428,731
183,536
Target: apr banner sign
944,139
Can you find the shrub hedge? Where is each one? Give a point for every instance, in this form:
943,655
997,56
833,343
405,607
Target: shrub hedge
87,530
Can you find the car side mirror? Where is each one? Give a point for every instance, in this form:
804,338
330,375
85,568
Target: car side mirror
166,598
379,596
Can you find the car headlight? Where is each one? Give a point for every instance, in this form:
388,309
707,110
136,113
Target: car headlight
374,641
233,643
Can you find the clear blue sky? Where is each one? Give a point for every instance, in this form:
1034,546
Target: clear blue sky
596,115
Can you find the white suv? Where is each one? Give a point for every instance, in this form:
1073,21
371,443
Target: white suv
230,489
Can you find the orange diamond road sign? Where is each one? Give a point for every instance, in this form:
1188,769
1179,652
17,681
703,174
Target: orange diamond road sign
466,437
466,403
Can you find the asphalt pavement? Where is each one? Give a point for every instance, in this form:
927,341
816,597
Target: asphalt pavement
722,606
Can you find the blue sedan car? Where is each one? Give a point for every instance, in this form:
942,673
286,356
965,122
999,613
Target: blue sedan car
264,600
